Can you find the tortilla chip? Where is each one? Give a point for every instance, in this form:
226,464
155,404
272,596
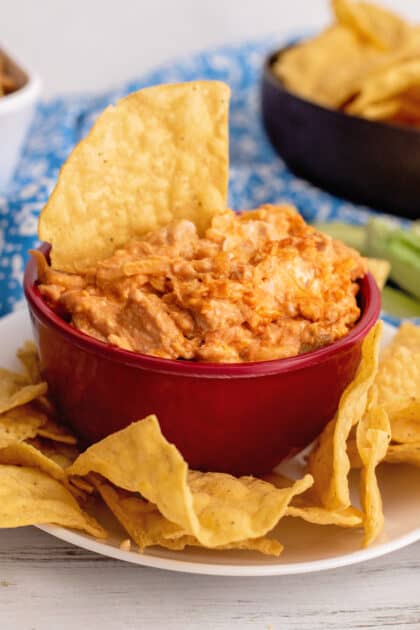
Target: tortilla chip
329,463
400,109
378,26
61,453
353,454
216,508
158,155
147,527
404,454
64,455
384,110
405,430
26,422
349,517
405,422
373,435
16,391
407,336
57,433
306,68
398,378
29,496
81,484
23,454
387,84
304,506
380,270
28,356
20,423
47,406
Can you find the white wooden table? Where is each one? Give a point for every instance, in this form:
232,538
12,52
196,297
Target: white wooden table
46,584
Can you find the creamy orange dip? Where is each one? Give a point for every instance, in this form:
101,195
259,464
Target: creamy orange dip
257,286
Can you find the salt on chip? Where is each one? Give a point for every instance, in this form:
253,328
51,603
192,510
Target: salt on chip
16,391
158,155
147,527
373,435
378,26
29,496
216,508
329,463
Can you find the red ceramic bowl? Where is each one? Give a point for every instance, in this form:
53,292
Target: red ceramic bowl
238,418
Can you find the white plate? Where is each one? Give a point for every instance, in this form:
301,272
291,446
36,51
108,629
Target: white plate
307,548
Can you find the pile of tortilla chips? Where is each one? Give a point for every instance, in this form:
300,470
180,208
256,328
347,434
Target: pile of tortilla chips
158,500
367,63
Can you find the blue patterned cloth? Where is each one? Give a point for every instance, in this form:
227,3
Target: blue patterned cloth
257,174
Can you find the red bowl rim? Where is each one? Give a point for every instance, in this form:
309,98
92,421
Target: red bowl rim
371,306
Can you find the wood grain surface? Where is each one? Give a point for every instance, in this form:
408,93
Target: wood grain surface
46,584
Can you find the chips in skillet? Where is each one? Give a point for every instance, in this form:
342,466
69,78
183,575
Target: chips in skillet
159,154
372,23
366,63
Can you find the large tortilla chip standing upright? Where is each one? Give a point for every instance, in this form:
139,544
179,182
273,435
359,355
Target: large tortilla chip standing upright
329,463
157,155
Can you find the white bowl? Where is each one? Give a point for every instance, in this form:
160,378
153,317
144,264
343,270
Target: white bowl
16,112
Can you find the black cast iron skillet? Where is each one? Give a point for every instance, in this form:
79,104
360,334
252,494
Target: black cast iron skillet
367,162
